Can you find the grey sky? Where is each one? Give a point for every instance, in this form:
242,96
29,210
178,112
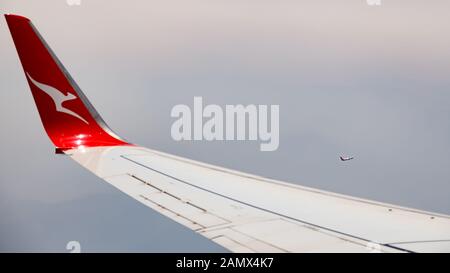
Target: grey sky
367,81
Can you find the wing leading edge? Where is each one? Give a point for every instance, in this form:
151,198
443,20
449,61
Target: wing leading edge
242,212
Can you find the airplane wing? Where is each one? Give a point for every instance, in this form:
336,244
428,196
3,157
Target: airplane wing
242,212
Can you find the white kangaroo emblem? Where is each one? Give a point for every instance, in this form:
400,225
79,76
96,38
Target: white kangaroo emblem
58,98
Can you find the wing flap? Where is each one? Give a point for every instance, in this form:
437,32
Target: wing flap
239,211
425,246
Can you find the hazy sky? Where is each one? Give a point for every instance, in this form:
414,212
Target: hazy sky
349,78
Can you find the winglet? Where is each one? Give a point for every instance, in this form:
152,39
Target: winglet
68,117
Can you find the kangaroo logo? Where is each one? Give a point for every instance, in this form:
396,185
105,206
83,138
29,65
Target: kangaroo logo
58,98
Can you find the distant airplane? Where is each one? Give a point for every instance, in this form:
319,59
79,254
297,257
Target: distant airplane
346,158
241,212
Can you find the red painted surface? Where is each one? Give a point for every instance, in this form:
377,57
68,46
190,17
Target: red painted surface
64,129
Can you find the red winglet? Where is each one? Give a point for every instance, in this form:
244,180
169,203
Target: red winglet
68,117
